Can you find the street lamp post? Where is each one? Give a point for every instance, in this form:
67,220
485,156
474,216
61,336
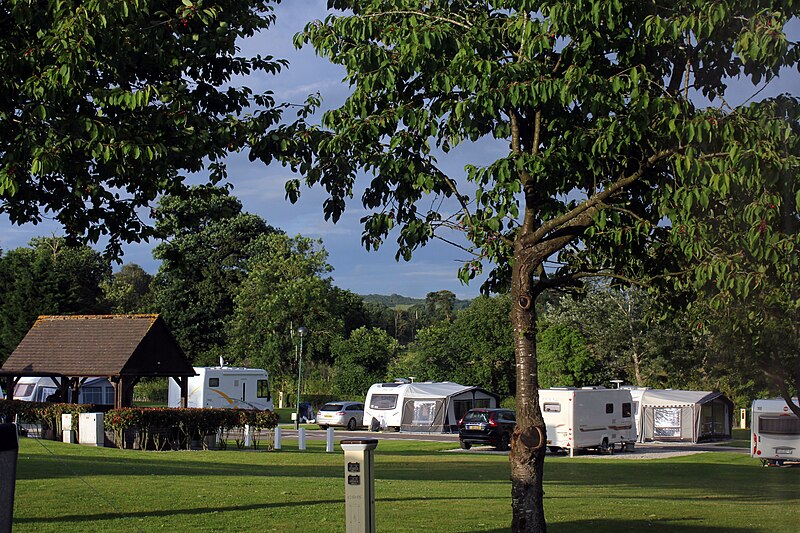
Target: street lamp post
302,331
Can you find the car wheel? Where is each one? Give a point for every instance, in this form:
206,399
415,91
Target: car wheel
554,449
351,424
323,426
503,444
465,445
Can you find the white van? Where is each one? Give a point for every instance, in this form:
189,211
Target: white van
774,432
225,387
98,391
588,417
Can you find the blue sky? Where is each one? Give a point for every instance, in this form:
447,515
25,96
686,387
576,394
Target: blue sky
261,188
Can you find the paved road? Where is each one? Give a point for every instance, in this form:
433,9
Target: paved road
642,450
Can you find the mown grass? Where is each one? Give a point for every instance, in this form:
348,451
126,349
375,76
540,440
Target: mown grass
419,487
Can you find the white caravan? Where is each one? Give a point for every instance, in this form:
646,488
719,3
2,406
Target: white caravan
588,417
775,432
225,387
422,407
98,391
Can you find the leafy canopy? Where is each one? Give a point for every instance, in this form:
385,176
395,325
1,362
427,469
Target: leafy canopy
104,105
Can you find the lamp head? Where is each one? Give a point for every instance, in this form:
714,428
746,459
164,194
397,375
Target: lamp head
302,331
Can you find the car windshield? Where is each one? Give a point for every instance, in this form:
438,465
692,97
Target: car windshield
331,407
477,416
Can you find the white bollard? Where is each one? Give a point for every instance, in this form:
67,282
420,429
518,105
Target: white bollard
67,433
301,439
247,436
277,438
329,440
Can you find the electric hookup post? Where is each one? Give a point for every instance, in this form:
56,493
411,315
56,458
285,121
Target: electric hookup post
9,449
359,485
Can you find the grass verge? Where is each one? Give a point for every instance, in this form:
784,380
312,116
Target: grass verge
63,487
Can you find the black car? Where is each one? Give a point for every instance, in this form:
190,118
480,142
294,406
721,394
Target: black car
487,426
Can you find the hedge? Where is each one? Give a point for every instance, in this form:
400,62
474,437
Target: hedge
45,413
161,428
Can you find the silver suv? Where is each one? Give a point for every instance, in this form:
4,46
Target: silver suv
347,414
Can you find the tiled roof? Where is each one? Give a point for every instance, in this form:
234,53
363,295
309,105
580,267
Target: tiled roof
98,345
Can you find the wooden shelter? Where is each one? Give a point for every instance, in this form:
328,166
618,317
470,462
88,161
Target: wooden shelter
122,348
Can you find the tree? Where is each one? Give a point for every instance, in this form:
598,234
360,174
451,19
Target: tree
106,105
439,306
47,278
629,333
361,360
563,358
207,243
128,289
286,287
600,105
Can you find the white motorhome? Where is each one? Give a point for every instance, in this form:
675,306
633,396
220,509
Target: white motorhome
775,431
588,417
225,387
98,391
427,406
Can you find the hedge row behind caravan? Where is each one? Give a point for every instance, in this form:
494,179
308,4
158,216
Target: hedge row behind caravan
425,407
589,417
775,432
225,387
98,391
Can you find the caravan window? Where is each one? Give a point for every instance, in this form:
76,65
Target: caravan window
383,401
262,388
626,409
667,422
779,425
92,395
552,407
23,390
213,382
609,408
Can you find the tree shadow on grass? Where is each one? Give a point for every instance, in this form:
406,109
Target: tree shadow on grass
664,525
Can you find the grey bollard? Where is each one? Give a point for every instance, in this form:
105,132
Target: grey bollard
9,449
301,439
359,485
277,438
329,440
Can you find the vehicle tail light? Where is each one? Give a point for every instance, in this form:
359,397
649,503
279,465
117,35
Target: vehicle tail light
340,413
492,421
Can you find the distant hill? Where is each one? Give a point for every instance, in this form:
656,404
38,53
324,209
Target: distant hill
393,301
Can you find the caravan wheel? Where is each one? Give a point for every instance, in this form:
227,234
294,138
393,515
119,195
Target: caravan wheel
603,448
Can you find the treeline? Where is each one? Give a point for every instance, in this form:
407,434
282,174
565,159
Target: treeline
231,286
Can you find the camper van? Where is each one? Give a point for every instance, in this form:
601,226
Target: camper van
225,387
98,391
588,417
775,432
422,407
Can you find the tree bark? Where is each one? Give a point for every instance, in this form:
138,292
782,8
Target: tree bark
527,461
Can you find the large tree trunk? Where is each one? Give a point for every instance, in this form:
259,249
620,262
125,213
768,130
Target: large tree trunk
527,459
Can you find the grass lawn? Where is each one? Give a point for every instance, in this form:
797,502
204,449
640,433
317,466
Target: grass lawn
62,487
